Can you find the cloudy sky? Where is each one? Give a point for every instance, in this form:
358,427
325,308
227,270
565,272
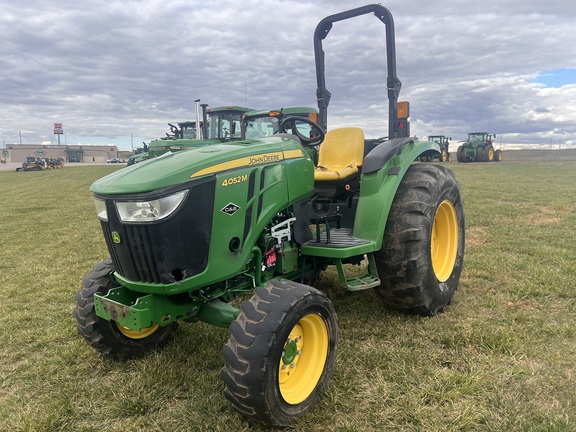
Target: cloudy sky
117,71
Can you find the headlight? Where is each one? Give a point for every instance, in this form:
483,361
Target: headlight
149,211
101,209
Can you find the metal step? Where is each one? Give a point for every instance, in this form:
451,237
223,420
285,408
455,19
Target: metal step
359,283
336,238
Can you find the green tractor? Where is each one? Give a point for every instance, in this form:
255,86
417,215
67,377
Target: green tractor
190,232
219,125
138,157
444,142
229,123
479,147
265,123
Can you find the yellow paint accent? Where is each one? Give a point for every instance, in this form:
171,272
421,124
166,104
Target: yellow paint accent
259,159
292,154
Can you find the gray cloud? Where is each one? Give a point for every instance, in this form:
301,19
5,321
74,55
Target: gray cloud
109,69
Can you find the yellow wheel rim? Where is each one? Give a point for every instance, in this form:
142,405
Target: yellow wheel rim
490,153
135,334
444,241
303,359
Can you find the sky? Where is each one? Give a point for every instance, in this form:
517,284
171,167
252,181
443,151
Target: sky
117,71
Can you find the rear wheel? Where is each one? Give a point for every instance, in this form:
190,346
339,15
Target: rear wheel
488,153
444,156
421,258
109,337
460,157
281,352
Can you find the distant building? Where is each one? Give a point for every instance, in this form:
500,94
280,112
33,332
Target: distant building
70,153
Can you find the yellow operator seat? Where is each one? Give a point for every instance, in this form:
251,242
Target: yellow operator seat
341,154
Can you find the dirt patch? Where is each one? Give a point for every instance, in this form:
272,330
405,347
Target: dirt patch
544,216
524,305
476,236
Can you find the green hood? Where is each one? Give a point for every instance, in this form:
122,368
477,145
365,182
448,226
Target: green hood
175,168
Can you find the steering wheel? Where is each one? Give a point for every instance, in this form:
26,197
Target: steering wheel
288,125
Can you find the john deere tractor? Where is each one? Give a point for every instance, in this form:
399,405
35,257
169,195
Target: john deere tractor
479,147
265,123
444,142
219,124
191,231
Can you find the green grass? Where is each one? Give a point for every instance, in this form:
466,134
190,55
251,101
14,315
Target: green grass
501,358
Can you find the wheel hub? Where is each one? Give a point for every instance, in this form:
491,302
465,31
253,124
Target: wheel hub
290,352
303,358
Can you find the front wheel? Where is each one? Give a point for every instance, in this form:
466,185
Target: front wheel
422,252
109,337
281,352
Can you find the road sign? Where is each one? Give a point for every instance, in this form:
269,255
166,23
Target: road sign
58,129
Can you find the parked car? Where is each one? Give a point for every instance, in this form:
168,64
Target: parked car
115,160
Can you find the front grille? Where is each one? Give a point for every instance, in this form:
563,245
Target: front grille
169,250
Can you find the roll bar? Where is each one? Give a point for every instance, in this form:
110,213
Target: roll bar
393,83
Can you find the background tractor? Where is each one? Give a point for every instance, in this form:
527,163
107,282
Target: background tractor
186,135
443,141
218,125
191,233
479,147
265,123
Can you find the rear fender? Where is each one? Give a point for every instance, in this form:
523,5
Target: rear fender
382,172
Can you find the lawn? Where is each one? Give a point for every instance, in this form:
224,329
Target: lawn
502,357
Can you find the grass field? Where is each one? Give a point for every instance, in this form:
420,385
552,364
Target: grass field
501,358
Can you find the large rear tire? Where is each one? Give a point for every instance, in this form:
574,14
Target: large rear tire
109,337
281,352
460,154
422,253
488,153
443,156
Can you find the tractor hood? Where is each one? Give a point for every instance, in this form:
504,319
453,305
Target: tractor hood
176,168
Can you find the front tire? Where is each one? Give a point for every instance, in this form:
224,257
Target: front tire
422,252
109,337
281,352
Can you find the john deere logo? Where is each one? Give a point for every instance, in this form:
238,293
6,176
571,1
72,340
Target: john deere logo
230,209
116,237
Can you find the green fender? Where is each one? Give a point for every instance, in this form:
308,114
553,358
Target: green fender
382,172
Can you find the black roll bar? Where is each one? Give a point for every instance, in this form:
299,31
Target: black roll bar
393,83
